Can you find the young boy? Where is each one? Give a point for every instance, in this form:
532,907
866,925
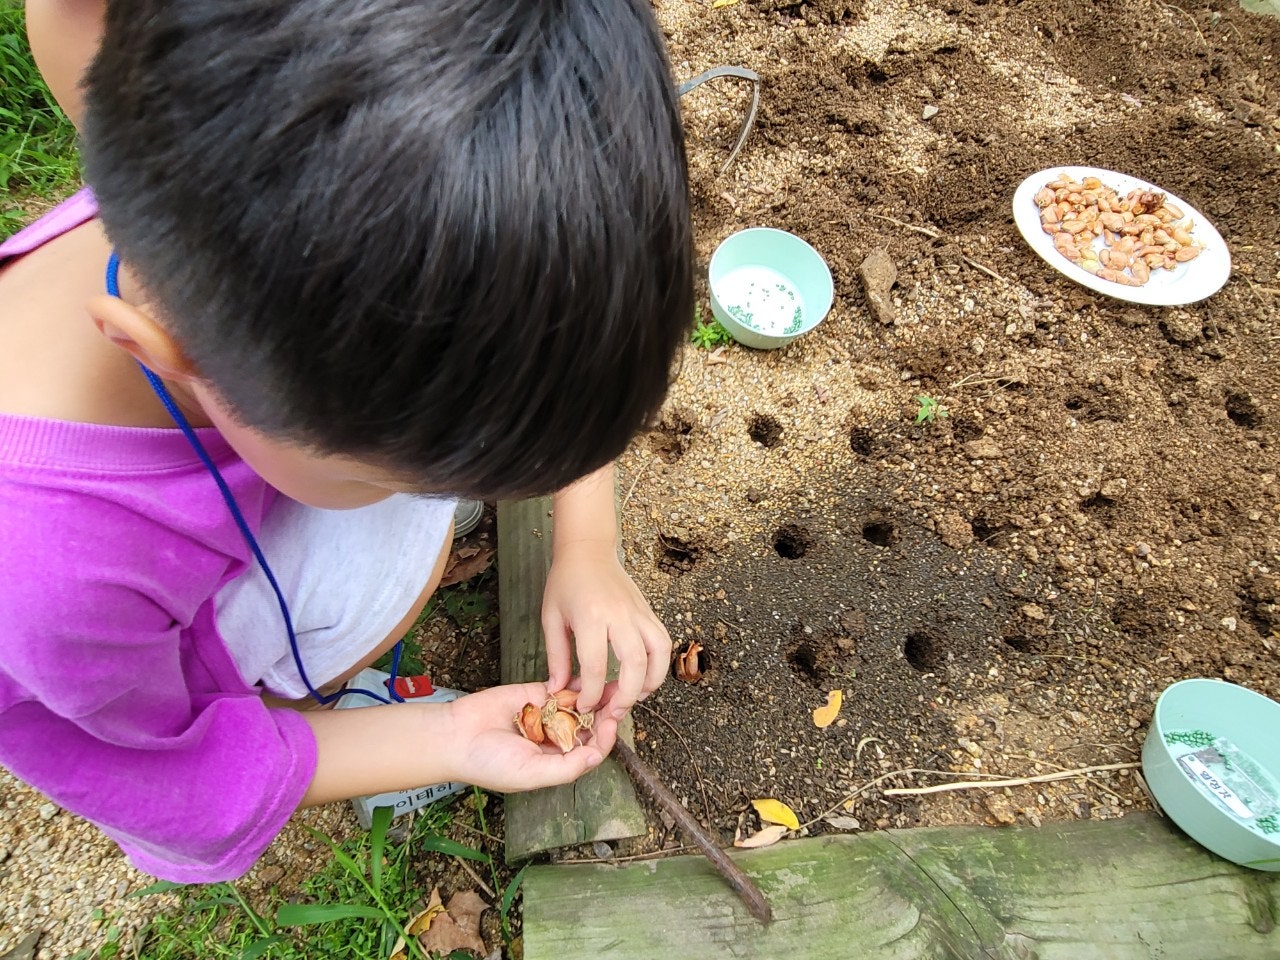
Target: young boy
369,251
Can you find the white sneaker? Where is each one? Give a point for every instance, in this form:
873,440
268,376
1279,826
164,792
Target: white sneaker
466,517
411,688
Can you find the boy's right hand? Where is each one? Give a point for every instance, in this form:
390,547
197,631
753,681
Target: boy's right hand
486,749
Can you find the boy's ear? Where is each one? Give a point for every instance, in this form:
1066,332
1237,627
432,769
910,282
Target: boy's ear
137,332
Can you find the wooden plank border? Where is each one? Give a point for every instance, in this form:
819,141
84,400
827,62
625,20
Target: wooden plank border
601,805
1127,889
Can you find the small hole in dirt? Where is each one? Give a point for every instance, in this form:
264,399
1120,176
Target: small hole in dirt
926,652
674,436
882,533
792,542
876,75
804,657
676,556
1095,501
989,532
765,430
862,441
1019,644
1074,403
1243,410
964,429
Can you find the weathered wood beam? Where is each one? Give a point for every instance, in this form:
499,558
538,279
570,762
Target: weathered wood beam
601,805
1129,889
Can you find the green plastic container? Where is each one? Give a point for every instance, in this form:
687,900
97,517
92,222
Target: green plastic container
1221,772
768,287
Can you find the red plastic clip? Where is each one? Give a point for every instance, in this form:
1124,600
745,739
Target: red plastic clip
410,687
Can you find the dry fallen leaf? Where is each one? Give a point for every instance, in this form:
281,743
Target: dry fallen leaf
458,928
775,811
764,838
419,924
466,563
825,716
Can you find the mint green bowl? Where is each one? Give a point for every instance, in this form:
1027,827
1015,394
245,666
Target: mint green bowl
1247,720
768,287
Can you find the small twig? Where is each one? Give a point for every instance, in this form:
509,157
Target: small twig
656,855
478,832
910,226
1058,766
742,885
938,236
1195,26
476,877
848,798
702,786
632,488
989,272
1015,782
973,380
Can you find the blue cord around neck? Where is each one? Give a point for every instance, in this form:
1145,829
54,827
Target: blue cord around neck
179,418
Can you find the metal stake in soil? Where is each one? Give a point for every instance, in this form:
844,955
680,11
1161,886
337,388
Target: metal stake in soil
647,779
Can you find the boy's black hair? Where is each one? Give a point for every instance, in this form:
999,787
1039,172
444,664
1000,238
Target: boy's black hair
450,237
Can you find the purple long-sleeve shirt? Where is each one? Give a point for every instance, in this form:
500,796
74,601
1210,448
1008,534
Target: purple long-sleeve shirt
118,698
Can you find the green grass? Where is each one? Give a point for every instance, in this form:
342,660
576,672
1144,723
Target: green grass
354,908
38,155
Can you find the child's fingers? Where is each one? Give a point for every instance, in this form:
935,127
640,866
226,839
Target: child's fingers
549,770
559,651
657,642
593,661
633,666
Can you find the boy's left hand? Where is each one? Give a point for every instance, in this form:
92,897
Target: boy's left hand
590,597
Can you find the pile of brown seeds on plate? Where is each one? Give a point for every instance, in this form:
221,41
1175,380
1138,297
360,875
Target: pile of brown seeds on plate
1141,232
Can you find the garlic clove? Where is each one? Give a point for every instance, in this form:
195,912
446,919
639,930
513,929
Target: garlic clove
562,730
566,699
529,723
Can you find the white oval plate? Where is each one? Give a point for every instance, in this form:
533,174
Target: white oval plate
1189,283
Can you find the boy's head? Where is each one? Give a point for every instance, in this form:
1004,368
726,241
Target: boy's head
450,238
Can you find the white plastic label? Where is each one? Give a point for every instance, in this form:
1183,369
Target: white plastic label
1204,778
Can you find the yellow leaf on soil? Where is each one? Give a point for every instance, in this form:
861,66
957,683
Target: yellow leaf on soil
825,716
722,3
775,811
762,839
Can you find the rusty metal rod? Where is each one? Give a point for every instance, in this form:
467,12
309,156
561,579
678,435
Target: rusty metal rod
647,779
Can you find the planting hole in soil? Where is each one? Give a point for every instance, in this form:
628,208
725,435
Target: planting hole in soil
1243,410
926,651
862,441
988,532
880,532
792,542
676,556
765,430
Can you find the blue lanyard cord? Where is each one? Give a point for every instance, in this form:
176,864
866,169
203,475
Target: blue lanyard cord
113,289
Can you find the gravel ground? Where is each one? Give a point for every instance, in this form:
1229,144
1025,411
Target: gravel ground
57,872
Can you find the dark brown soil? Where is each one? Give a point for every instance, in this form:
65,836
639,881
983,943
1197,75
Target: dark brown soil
1010,587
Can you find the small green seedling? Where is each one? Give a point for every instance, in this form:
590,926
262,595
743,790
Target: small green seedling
708,336
930,410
